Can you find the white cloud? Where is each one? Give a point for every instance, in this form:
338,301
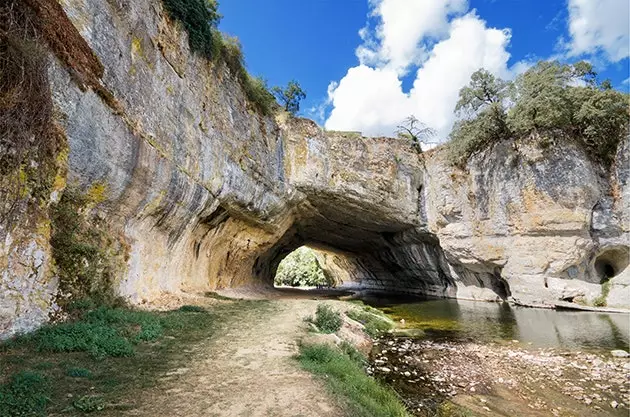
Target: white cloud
403,24
599,26
370,97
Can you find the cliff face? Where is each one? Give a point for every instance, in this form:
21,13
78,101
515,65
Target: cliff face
193,190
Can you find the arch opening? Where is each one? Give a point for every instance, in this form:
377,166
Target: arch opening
302,269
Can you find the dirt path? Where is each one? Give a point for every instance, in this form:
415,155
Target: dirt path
245,369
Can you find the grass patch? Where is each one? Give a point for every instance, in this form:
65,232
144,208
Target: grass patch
102,380
25,394
375,321
192,309
327,319
78,372
347,380
601,301
89,403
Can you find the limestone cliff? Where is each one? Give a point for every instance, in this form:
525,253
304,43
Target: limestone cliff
191,189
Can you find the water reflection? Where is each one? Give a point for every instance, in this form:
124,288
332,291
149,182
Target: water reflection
482,321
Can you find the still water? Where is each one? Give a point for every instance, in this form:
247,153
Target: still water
486,322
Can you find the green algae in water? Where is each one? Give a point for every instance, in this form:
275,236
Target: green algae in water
485,322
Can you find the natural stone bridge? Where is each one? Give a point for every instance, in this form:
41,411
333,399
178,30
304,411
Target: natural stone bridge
201,192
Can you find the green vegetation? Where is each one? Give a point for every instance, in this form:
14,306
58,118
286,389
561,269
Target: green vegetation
98,357
301,269
449,409
192,309
89,403
414,131
375,321
327,319
78,372
29,141
600,301
84,253
101,332
290,96
200,19
25,394
551,100
347,380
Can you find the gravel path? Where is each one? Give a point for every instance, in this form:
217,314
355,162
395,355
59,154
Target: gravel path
245,369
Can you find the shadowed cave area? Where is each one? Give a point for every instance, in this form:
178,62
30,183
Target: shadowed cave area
368,254
611,262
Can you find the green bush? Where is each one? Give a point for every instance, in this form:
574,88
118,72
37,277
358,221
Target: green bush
301,269
89,403
78,373
374,321
327,319
25,394
352,352
346,379
198,17
258,94
548,99
471,136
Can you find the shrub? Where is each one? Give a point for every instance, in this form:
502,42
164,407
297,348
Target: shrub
327,319
374,321
83,252
352,352
89,403
198,17
25,394
79,373
258,94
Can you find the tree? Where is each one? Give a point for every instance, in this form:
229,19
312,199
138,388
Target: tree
300,268
484,90
546,96
290,96
482,101
550,99
415,131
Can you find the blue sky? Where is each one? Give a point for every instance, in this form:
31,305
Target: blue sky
432,44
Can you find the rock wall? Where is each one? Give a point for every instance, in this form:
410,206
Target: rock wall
201,192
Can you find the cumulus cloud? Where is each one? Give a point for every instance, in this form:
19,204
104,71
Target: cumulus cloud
444,51
599,26
403,24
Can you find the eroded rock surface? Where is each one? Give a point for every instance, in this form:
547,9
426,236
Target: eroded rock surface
202,192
